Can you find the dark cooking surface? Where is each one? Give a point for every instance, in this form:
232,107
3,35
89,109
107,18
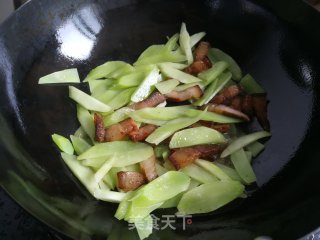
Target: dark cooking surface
62,34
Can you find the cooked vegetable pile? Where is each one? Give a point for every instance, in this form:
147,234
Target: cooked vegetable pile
163,132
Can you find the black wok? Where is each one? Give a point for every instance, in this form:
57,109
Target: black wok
276,41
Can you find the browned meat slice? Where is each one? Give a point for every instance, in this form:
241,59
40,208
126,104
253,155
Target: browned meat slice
120,130
182,157
201,51
194,92
142,133
155,99
227,111
198,66
209,151
260,106
247,106
236,103
100,128
148,168
223,128
227,94
128,181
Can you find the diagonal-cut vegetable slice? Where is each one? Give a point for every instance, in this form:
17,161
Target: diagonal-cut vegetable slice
63,143
209,197
104,169
196,136
79,144
199,174
64,76
86,121
104,70
212,73
87,101
214,88
211,116
185,43
213,169
216,54
195,38
177,74
244,141
147,86
243,167
83,173
167,86
250,85
134,152
170,128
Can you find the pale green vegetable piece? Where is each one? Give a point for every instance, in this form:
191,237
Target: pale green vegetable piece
99,87
185,42
104,70
173,202
167,86
234,68
79,144
231,172
95,163
144,227
64,76
164,114
249,156
147,86
209,197
211,116
86,121
250,85
140,119
170,128
104,169
195,38
178,74
131,80
125,152
255,148
80,133
117,116
109,196
124,206
213,169
166,186
160,149
212,73
159,54
121,99
107,95
63,143
183,87
84,174
244,141
152,195
87,101
179,66
160,170
122,71
242,165
172,43
109,181
214,88
198,173
196,136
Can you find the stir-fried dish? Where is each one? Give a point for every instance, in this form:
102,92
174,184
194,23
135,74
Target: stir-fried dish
166,131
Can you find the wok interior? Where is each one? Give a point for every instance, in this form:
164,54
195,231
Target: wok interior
87,34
